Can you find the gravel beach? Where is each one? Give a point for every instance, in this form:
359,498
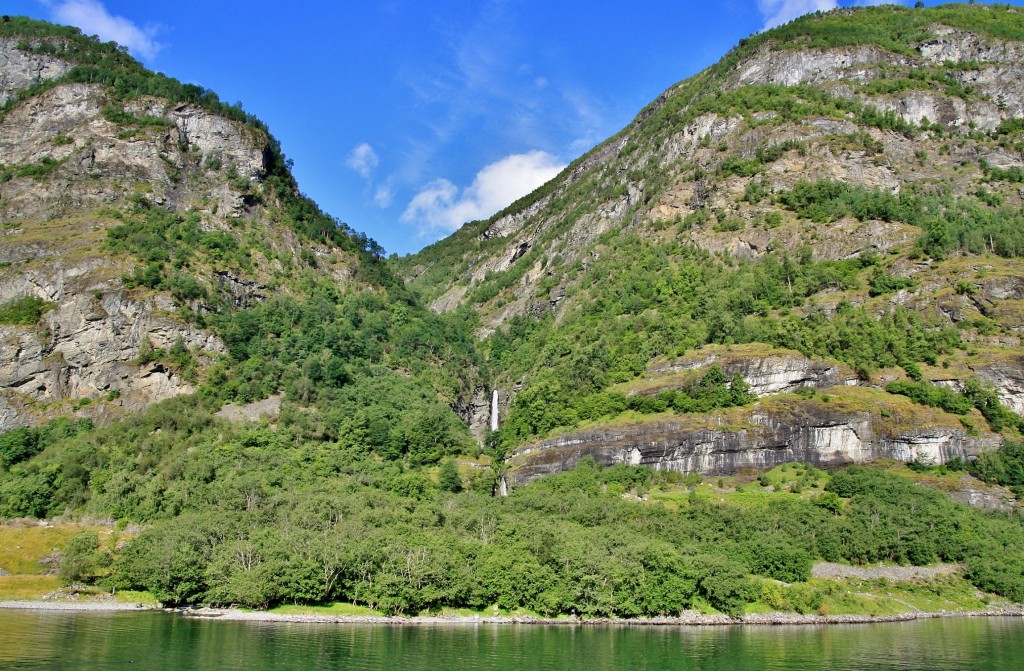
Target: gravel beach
73,605
689,618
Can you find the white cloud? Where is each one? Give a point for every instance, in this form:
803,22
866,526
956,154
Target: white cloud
777,12
363,159
442,206
874,3
383,196
94,19
589,123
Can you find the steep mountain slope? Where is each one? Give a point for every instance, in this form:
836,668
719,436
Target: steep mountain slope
152,231
138,214
160,265
845,187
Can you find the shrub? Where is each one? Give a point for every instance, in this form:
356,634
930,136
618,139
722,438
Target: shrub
80,559
25,311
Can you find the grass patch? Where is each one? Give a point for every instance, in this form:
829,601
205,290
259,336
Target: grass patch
743,490
753,499
22,547
335,609
26,587
882,597
854,603
25,311
794,478
132,596
934,477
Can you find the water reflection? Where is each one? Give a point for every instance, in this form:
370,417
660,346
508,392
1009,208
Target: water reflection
150,641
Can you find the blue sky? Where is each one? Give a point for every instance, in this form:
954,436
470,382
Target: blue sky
406,118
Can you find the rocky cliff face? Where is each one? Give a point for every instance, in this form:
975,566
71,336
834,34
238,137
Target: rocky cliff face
78,161
85,348
708,166
830,433
20,69
1006,376
88,347
170,162
643,178
766,371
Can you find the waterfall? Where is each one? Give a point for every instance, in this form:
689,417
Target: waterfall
494,411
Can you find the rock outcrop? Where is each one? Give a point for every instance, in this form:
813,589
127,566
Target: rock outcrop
766,371
20,69
88,346
985,497
268,409
477,411
179,163
819,432
1007,377
78,161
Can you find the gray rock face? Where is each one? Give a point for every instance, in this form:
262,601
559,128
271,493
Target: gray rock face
1000,82
984,497
244,293
218,138
1008,379
86,348
87,345
267,408
806,433
766,374
169,165
20,69
919,106
790,67
959,46
477,410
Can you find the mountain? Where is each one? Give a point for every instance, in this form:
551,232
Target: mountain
836,204
781,259
139,215
155,246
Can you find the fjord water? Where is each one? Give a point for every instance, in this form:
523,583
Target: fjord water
148,641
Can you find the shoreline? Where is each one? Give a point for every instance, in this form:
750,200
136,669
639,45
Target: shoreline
95,606
693,618
690,618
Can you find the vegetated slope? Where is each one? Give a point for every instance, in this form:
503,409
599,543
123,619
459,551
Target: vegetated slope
155,246
839,194
151,231
355,489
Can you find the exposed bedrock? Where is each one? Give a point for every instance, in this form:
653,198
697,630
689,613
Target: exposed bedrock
805,431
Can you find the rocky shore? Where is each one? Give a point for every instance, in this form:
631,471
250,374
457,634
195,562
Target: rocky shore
73,605
689,618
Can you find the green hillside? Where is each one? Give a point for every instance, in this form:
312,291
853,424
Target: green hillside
738,222
816,218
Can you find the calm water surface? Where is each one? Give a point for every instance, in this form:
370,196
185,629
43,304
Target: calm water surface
147,641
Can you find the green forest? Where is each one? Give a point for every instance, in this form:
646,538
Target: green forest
260,522
370,487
